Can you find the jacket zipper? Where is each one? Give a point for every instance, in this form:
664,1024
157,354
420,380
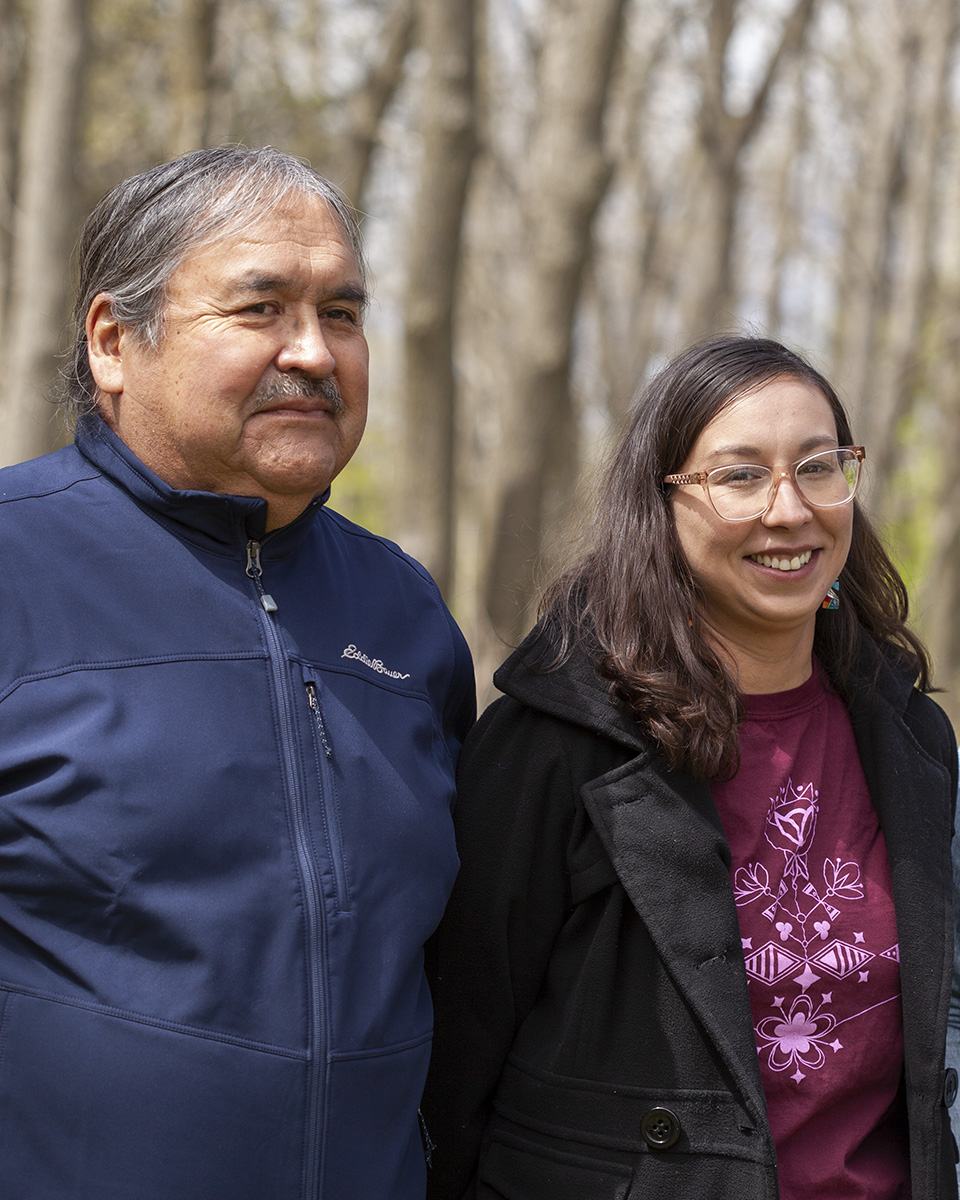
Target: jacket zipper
331,814
313,903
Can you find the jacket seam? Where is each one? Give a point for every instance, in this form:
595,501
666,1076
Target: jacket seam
123,663
51,491
380,1051
137,1018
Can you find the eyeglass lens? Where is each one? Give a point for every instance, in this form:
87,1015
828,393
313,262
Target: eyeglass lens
744,490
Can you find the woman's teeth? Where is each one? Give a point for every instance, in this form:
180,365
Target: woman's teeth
783,564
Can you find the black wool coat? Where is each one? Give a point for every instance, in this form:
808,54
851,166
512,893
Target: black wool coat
593,1031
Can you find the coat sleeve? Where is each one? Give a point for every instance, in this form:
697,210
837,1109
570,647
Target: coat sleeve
514,816
953,1017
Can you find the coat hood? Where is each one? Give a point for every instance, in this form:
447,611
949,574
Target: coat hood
573,689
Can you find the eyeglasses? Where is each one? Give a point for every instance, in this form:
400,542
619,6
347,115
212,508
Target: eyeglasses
745,491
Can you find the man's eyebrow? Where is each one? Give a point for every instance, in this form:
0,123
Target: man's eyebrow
261,284
351,291
255,281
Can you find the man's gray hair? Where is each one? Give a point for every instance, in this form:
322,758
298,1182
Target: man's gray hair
146,226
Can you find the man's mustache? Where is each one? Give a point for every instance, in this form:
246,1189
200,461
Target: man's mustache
298,384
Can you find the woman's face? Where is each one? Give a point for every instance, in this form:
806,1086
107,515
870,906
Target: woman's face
744,599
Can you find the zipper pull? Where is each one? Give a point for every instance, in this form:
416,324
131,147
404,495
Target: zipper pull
314,702
255,571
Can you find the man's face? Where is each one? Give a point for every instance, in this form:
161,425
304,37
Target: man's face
259,387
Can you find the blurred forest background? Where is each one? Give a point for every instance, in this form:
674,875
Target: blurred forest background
557,195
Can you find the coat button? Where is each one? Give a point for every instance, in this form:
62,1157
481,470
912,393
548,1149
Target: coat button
949,1086
660,1128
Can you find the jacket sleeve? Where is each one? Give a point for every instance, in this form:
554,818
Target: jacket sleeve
459,709
486,963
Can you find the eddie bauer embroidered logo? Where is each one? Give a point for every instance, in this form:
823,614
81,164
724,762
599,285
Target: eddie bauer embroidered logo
375,664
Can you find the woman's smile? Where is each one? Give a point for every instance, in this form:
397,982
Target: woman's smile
784,560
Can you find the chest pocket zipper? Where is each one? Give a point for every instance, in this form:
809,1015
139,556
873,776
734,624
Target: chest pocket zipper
329,808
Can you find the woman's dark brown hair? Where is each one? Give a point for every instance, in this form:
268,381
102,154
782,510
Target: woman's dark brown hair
631,602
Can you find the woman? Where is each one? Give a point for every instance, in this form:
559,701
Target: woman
700,943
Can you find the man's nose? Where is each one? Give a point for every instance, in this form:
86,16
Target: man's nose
788,505
305,347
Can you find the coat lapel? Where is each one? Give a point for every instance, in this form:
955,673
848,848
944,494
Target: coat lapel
664,837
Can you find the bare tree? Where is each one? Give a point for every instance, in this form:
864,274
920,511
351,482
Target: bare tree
42,225
631,282
723,137
791,140
427,504
939,592
877,67
190,55
564,180
11,46
898,359
363,109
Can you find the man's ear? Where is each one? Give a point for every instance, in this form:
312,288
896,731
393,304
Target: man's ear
104,333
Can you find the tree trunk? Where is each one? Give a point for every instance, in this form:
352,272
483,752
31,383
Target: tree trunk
782,176
630,283
940,593
367,104
723,138
9,111
42,227
427,503
189,58
926,102
565,180
866,237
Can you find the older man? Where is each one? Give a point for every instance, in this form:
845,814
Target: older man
229,722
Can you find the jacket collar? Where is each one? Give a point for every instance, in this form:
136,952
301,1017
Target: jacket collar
214,522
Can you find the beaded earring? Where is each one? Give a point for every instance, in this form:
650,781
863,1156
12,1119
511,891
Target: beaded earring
831,601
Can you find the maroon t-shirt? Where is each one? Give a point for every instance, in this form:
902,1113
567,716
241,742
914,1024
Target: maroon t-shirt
812,886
